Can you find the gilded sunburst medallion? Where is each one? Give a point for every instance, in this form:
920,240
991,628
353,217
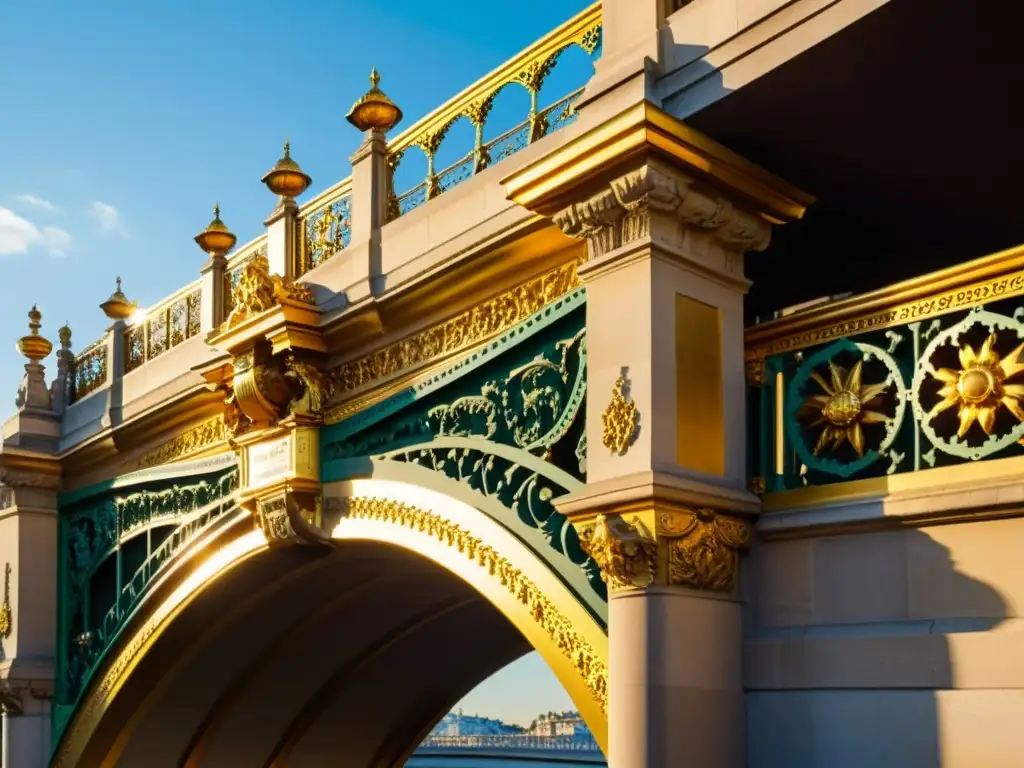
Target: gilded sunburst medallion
981,386
843,406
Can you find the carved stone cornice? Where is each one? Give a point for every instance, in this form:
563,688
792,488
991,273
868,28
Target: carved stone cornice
673,546
665,205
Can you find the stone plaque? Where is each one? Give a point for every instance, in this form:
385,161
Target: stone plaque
270,461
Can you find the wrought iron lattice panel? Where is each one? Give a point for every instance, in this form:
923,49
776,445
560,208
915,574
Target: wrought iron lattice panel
324,232
162,329
939,391
89,371
111,546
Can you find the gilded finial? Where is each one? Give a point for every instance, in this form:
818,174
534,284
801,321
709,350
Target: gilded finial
117,307
34,319
374,111
286,177
64,334
34,346
216,238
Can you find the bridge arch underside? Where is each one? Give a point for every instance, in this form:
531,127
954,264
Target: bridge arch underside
297,656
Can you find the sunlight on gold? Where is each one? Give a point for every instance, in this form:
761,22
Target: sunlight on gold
980,387
844,407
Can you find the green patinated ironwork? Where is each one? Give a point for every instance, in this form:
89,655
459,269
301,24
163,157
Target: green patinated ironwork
113,540
928,394
526,392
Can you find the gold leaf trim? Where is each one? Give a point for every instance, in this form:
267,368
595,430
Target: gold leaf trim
188,443
461,332
542,610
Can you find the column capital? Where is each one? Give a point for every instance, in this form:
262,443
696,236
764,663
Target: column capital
612,184
666,545
653,529
664,204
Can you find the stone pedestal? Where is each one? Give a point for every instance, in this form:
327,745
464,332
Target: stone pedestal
667,215
634,36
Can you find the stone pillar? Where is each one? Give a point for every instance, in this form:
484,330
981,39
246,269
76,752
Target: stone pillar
282,239
633,38
369,203
212,299
26,732
667,216
29,481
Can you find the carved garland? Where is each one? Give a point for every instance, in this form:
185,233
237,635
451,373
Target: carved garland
541,608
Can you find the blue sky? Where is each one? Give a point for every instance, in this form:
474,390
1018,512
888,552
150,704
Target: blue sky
122,123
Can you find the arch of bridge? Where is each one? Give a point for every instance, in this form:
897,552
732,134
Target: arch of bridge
448,561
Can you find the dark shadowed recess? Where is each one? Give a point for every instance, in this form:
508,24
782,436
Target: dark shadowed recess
907,128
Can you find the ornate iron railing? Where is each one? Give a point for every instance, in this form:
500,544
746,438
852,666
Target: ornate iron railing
233,272
164,327
88,371
924,374
528,70
165,518
325,227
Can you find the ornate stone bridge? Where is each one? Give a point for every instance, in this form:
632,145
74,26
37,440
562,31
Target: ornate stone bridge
528,397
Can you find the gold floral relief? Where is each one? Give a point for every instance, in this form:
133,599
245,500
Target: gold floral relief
620,419
188,443
461,332
703,548
561,631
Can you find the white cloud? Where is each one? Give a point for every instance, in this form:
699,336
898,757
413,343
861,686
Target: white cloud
107,216
18,235
37,202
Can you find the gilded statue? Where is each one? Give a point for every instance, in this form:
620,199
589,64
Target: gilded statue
258,291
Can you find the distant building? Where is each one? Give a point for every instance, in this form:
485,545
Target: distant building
559,724
458,724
